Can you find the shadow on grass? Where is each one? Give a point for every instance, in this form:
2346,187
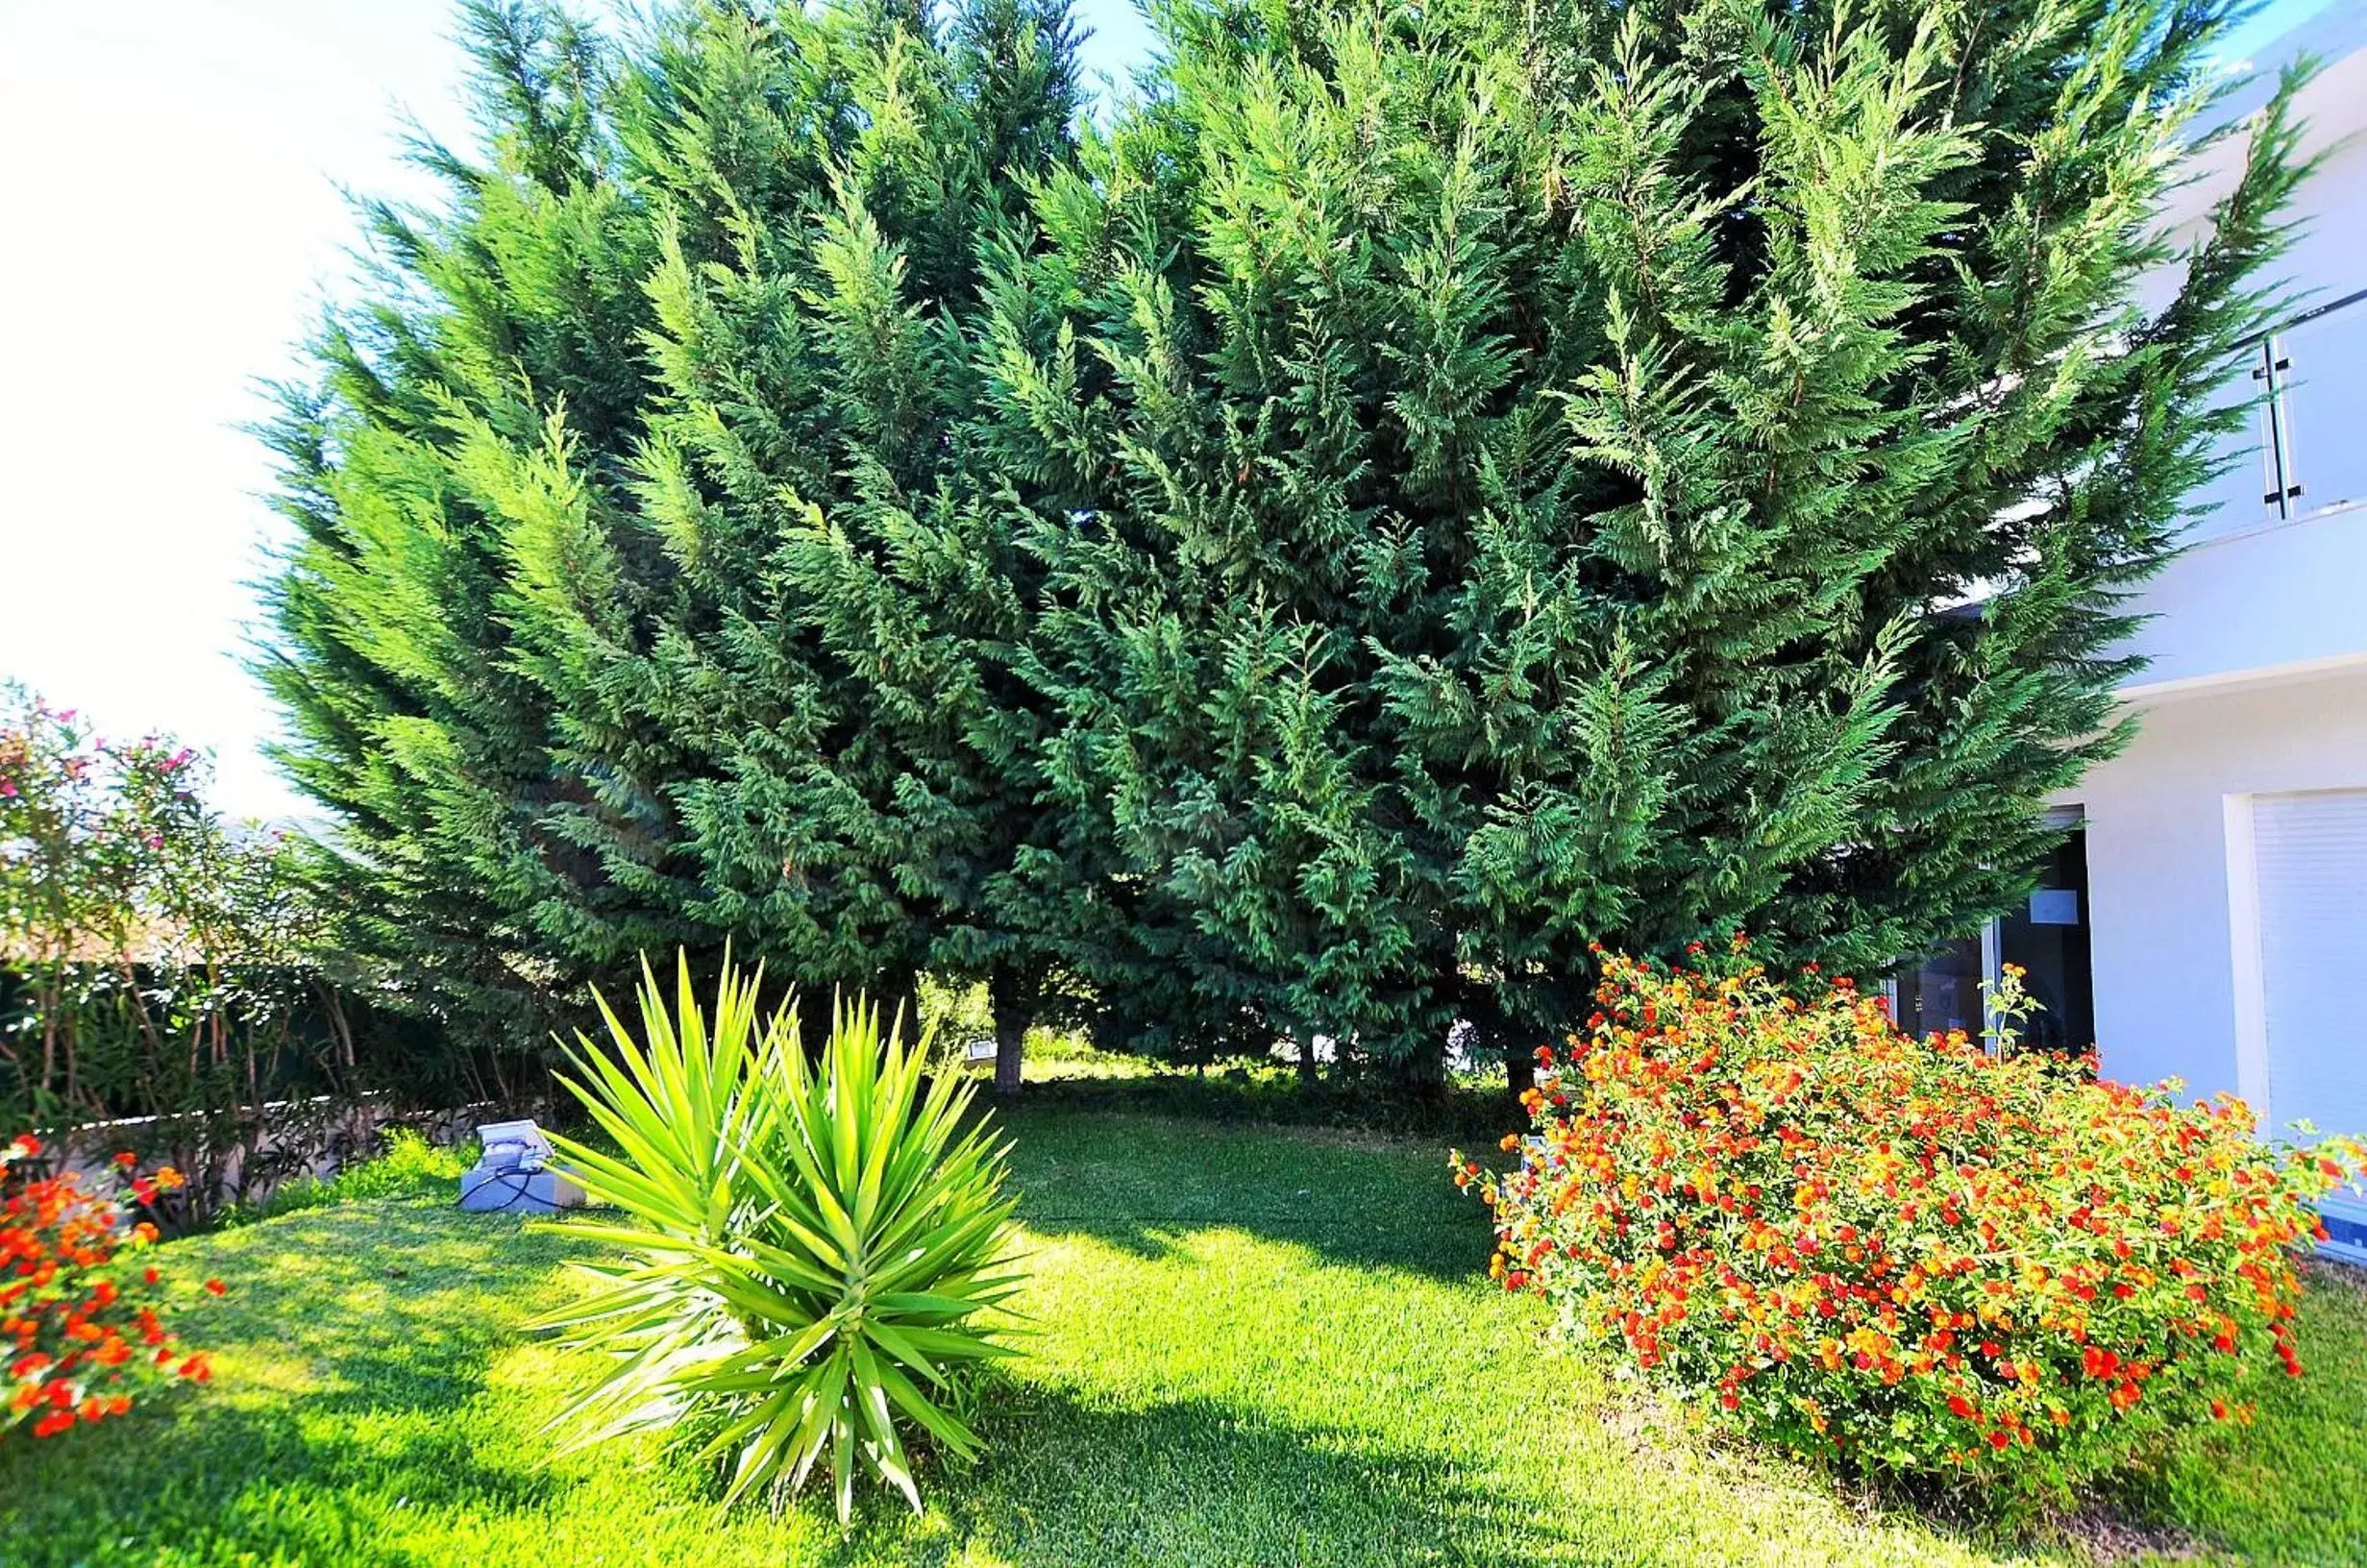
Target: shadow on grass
280,1484
1070,1481
370,1377
1356,1199
361,1350
349,1346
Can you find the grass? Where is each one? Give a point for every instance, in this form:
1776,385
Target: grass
409,1167
1254,1345
1066,1072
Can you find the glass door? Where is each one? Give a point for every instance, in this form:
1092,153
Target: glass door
2049,939
1943,992
2047,936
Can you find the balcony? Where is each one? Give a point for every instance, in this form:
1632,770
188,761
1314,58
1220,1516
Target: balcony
2274,581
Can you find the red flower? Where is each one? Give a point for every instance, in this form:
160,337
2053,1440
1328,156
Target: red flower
1737,1176
68,1320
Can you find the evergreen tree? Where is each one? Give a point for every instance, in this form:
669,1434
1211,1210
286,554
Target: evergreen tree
1523,478
1425,491
591,634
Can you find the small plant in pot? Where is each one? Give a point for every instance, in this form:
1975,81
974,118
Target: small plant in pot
817,1249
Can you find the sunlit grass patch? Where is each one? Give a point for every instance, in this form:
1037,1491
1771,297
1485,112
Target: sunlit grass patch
1251,1346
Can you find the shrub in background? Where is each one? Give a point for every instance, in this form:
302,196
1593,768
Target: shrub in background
80,1331
404,1166
814,1241
160,964
1907,1252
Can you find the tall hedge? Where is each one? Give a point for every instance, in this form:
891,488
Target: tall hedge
1411,493
647,583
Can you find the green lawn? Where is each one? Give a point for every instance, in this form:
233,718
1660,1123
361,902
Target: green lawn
1256,1346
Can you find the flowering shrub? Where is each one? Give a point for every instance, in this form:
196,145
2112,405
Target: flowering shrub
79,1333
1908,1253
163,964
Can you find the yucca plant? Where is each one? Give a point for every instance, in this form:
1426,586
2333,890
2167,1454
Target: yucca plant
817,1246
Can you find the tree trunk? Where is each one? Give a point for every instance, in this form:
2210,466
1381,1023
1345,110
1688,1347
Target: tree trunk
1005,997
1306,1058
1495,1031
1519,1067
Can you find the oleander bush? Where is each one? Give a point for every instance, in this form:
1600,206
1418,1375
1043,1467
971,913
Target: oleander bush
167,977
82,1330
1910,1256
817,1247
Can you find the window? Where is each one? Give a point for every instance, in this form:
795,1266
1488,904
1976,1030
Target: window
2047,936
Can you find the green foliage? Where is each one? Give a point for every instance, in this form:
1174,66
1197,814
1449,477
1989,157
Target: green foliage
161,965
642,594
813,1245
1419,492
408,1166
1253,1346
1910,1256
1520,478
952,1016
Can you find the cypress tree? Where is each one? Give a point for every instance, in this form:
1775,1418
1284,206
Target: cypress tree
1532,477
590,634
1425,491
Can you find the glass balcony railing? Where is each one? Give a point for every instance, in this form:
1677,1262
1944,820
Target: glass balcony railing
2304,450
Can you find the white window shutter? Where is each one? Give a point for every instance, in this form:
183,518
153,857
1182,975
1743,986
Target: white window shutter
2311,851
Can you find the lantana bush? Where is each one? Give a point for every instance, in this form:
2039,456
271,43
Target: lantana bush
82,1330
1913,1256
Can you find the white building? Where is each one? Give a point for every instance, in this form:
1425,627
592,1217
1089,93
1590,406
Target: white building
2208,920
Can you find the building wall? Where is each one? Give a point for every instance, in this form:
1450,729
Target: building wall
2275,599
2331,110
2257,680
2263,587
2157,859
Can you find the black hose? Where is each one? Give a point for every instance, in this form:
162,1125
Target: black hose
522,1188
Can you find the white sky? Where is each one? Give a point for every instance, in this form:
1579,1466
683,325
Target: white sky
169,220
